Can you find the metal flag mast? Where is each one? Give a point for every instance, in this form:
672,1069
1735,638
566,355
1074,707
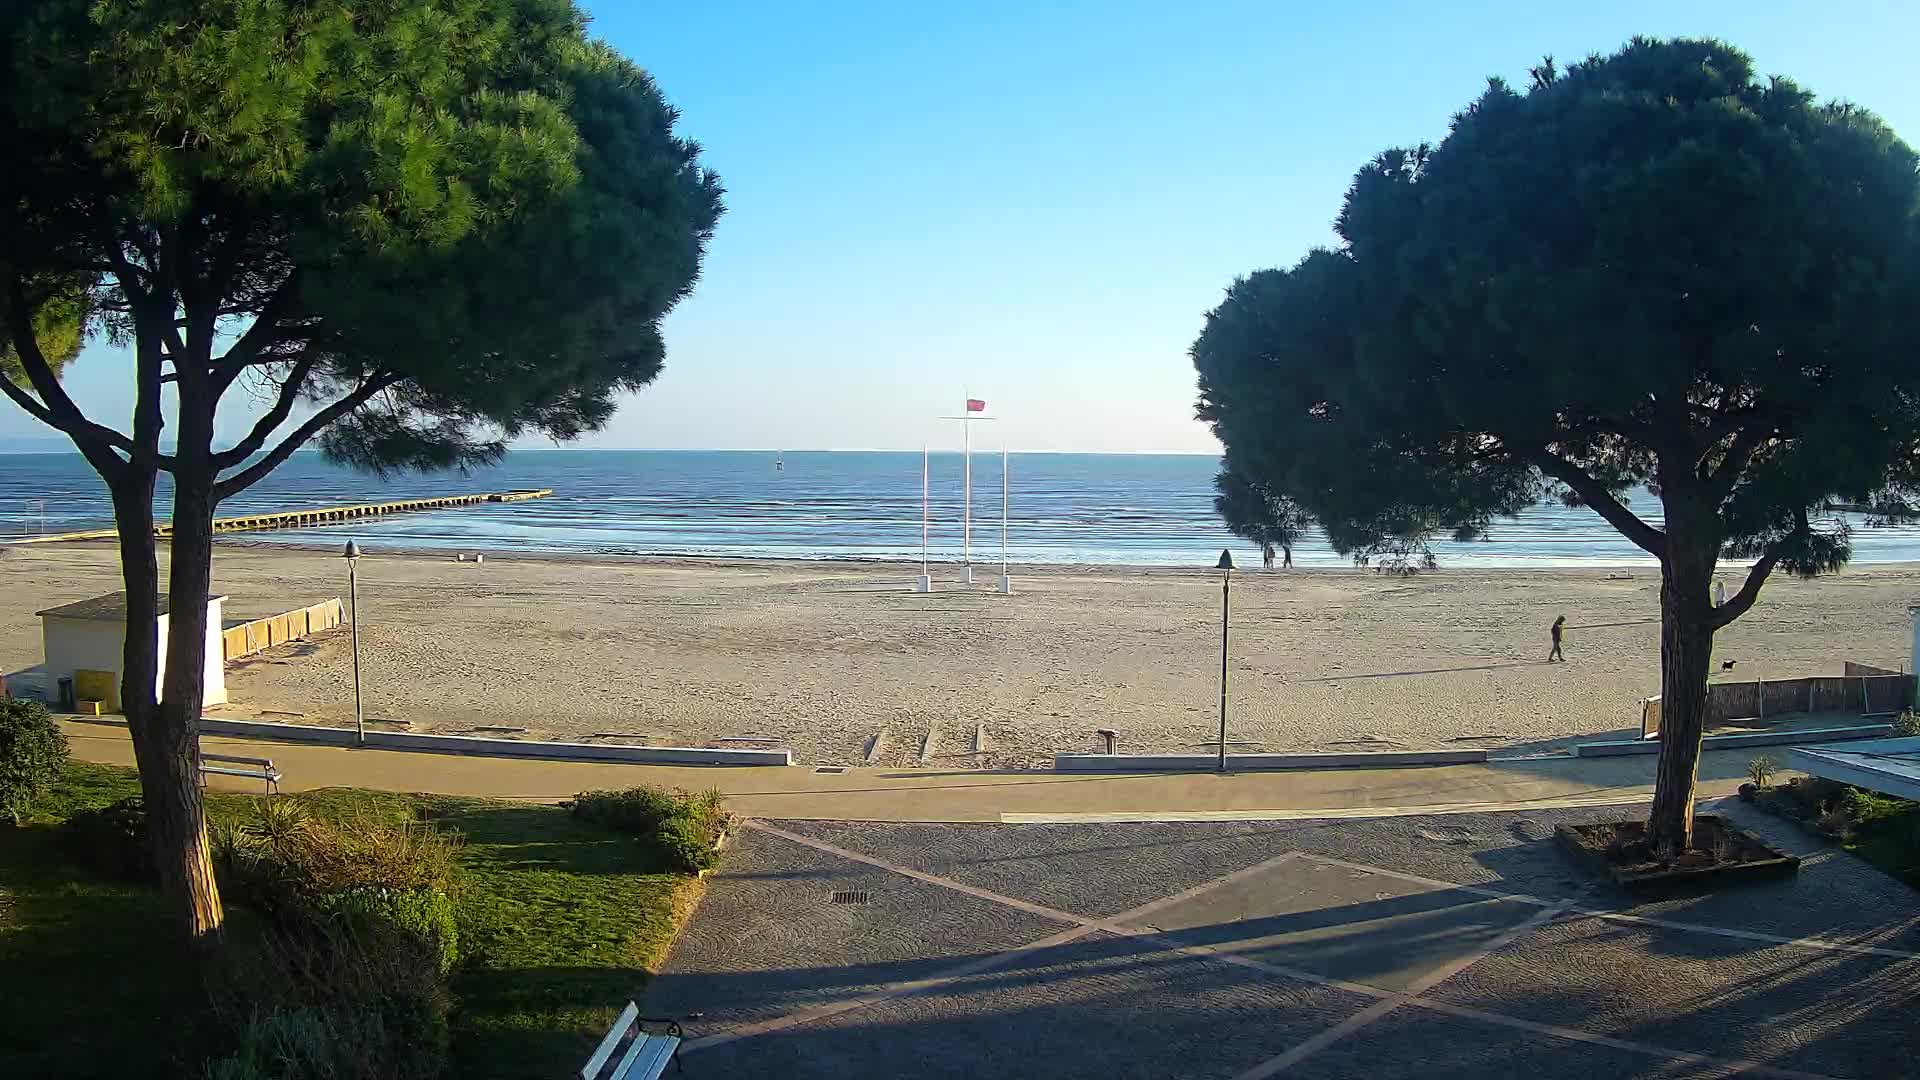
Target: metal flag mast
966,486
924,583
966,418
1006,574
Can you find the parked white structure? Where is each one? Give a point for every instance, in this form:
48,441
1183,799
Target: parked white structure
91,635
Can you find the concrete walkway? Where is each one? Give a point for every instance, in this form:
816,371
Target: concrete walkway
1415,947
806,792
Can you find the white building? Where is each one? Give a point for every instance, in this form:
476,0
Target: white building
91,636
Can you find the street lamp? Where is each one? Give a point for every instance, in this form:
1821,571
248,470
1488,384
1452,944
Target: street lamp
1225,566
352,555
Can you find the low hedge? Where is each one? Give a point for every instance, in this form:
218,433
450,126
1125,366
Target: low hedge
681,827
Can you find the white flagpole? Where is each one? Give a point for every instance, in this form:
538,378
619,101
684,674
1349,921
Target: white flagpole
925,583
966,525
1006,574
1003,511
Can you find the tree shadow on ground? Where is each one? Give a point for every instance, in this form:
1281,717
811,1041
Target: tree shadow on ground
1100,1006
71,939
535,1022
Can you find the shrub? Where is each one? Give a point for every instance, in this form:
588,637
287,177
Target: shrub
112,839
1864,806
1761,769
423,914
329,1001
1834,821
283,856
33,751
638,810
278,820
680,827
687,844
1907,724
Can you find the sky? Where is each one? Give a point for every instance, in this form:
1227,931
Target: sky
1036,204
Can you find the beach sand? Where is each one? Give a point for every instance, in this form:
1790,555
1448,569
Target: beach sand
820,657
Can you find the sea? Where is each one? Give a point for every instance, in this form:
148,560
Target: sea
1059,509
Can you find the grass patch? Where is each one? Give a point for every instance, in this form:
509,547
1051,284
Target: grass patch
559,924
1880,829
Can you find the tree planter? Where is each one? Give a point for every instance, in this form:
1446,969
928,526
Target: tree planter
1722,855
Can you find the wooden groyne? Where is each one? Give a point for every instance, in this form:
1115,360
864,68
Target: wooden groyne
326,515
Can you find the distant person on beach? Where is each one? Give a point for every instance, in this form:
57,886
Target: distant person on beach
1556,654
1266,555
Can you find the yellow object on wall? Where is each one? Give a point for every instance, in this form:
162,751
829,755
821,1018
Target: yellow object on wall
234,643
100,686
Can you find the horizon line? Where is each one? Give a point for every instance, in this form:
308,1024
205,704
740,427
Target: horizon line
74,451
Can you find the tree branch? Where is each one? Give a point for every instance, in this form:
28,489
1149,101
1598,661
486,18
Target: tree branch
263,332
1721,480
1749,592
56,409
268,424
1758,573
1648,538
252,474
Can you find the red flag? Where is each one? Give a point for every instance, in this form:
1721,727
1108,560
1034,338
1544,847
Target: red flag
974,404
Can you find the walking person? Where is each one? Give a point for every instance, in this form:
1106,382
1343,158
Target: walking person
1266,555
1556,654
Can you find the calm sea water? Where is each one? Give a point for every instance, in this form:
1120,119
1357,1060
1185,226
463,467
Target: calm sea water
1154,510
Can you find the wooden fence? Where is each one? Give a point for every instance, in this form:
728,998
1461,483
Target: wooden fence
252,637
1864,690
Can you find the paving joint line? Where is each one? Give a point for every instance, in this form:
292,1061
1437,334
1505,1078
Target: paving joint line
1082,926
1113,925
1620,916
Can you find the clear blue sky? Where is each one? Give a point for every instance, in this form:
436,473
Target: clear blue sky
1038,202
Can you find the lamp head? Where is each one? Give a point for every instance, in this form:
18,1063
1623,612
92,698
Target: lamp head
352,552
1226,560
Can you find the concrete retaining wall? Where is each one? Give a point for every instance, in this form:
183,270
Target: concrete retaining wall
1250,762
1733,742
466,744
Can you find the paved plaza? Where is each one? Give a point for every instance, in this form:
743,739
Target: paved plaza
1449,945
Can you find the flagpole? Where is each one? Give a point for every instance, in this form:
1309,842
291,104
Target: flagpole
925,583
1006,574
966,526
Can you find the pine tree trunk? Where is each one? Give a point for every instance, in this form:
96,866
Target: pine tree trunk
165,747
1686,658
179,824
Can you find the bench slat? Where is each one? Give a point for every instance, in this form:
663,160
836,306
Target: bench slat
265,763
647,1058
620,1026
251,774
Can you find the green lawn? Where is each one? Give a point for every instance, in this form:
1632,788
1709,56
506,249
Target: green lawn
559,922
1883,830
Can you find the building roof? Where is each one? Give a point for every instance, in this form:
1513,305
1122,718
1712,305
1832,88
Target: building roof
109,608
1890,766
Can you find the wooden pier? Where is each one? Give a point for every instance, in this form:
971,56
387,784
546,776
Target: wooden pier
328,515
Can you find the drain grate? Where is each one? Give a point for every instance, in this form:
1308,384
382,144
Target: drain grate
850,896
831,769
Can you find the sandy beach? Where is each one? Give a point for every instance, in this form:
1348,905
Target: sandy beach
821,657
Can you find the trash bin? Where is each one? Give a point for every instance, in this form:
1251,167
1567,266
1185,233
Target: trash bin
68,702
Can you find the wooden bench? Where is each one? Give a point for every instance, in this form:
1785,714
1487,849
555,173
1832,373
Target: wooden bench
643,1055
253,768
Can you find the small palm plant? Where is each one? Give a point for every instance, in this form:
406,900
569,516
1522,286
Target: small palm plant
1761,769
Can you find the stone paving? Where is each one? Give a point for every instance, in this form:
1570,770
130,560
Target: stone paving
1458,945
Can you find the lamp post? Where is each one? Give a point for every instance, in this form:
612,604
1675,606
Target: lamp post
352,555
1225,566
